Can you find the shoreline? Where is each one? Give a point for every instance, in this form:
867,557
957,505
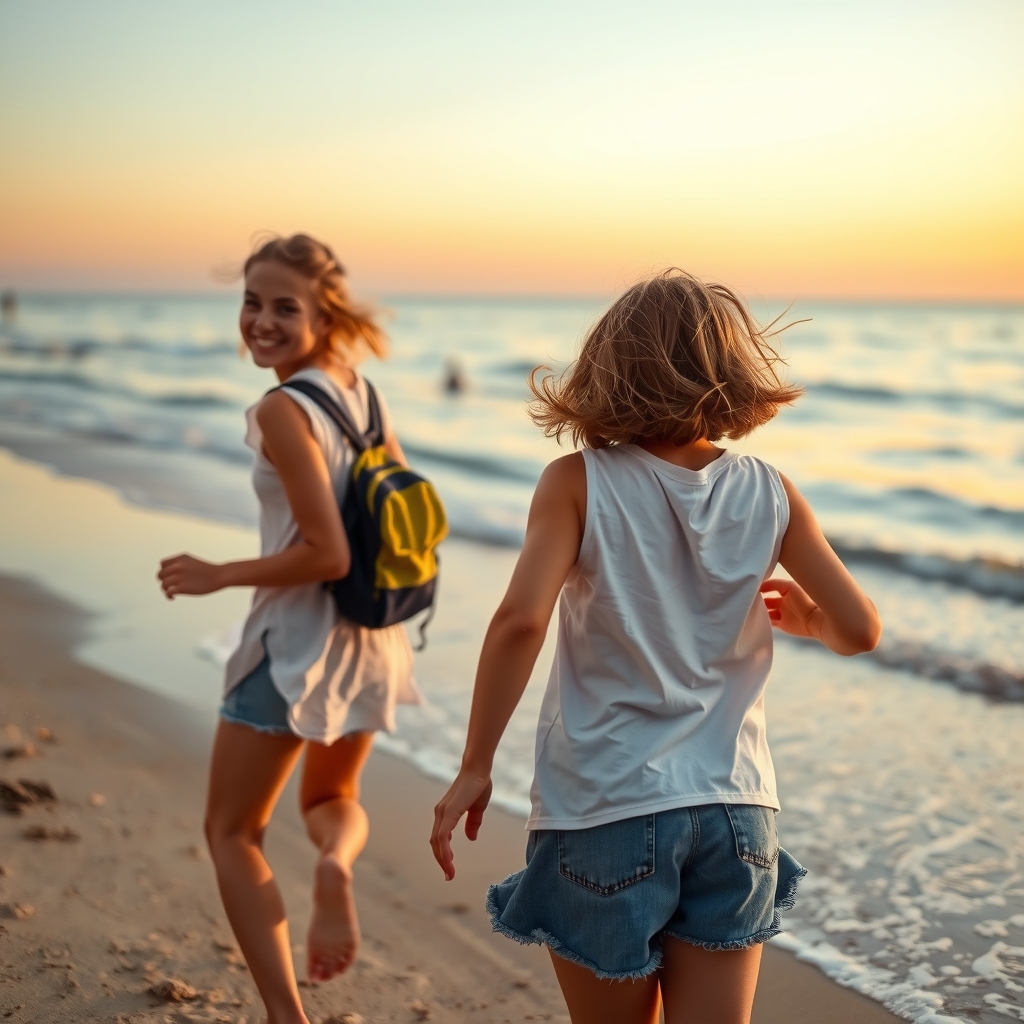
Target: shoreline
133,902
60,532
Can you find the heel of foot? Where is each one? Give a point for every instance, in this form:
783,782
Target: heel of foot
331,875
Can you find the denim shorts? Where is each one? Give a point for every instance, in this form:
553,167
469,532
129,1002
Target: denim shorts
605,897
256,702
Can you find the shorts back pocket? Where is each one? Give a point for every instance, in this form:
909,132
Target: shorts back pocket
608,858
757,838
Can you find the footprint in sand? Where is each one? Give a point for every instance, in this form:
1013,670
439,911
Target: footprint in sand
17,911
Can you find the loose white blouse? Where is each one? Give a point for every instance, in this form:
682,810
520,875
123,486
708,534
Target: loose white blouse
337,677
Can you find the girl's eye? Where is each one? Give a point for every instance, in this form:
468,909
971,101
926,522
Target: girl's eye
287,308
250,304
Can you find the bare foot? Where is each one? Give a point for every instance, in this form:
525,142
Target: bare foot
333,940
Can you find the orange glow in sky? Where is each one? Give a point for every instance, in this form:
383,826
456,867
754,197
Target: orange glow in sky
791,149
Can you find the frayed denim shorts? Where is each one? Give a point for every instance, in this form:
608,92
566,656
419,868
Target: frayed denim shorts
256,702
605,897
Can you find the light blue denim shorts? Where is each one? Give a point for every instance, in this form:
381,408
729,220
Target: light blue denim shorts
605,897
256,702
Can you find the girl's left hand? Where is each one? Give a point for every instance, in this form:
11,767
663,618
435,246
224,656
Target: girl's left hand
184,574
469,794
792,611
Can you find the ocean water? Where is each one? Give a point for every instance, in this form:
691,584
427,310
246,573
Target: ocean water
902,772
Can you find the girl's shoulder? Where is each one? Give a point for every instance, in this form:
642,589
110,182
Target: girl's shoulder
738,475
762,471
566,471
352,394
754,463
278,406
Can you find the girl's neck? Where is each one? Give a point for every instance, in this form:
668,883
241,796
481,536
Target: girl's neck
321,360
695,455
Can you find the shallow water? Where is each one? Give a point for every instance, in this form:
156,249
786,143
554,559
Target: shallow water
900,773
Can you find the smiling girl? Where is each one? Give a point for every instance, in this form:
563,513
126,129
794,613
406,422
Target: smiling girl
302,676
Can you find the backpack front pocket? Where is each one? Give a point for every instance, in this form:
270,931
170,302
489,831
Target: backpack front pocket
610,857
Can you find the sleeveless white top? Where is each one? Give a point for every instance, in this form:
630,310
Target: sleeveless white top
656,693
337,677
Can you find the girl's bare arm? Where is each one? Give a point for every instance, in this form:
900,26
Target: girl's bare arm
823,600
554,532
394,449
322,553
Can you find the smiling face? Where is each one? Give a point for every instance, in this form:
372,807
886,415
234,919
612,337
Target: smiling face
281,322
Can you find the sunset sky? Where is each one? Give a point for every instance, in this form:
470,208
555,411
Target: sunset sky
792,149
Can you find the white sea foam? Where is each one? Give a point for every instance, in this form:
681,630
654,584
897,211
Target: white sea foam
928,792
217,647
909,998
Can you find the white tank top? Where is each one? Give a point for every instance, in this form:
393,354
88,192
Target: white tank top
656,693
337,677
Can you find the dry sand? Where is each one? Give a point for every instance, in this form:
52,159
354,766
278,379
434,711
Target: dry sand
108,907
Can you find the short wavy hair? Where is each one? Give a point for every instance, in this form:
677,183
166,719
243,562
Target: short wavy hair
352,324
674,359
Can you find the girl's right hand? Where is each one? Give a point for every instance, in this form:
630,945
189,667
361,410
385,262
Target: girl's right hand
792,611
469,794
186,574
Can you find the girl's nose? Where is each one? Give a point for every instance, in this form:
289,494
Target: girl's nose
264,322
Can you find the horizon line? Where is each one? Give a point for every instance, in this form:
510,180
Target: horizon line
498,297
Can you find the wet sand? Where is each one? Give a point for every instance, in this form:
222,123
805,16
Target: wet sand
111,913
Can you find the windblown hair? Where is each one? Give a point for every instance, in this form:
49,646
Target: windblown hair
674,359
352,325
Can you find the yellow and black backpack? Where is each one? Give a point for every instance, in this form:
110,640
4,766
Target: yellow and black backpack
394,521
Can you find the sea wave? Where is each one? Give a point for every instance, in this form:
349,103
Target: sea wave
524,367
487,533
520,470
989,577
77,347
920,505
965,673
202,397
947,400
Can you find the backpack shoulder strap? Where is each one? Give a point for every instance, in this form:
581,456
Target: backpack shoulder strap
333,409
375,432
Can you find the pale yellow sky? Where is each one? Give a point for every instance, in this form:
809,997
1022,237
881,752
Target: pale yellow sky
793,149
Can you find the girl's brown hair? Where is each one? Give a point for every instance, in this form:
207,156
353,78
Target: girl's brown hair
352,324
674,359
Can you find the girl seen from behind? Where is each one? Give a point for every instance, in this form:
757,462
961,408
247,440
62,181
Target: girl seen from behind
302,676
653,867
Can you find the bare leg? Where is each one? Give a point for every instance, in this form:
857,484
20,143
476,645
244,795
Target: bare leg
705,987
247,773
338,826
593,1000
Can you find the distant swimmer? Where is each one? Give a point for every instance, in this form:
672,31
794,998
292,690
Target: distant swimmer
9,305
454,379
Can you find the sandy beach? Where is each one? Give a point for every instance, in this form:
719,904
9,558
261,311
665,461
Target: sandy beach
109,902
